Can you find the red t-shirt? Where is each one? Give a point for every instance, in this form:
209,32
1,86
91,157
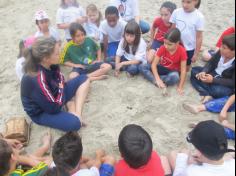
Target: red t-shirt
172,62
228,31
162,29
153,168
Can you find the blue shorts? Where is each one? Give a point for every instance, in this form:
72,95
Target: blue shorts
190,56
106,170
89,68
156,44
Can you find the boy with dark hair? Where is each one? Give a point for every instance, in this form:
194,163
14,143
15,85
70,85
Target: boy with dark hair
211,145
67,156
10,158
136,149
217,78
113,29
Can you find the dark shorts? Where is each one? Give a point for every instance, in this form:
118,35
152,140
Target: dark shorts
190,56
156,44
89,69
106,170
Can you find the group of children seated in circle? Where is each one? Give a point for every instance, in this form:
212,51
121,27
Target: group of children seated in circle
93,48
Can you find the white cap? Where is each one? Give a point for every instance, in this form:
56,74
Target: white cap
41,15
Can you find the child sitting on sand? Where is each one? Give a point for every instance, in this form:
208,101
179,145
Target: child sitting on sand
170,65
131,51
69,12
160,27
10,159
67,156
44,30
217,78
84,55
139,159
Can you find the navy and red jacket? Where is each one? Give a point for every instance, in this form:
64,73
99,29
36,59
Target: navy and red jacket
41,93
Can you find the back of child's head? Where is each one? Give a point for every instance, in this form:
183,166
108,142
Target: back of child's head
135,146
92,8
67,152
133,28
173,35
229,41
64,5
74,27
198,4
55,172
169,5
111,10
5,157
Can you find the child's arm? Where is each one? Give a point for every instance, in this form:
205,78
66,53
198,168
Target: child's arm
105,42
153,31
226,124
183,74
199,40
70,64
224,112
63,26
159,82
99,55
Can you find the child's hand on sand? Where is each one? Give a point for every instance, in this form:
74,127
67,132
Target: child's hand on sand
160,84
180,91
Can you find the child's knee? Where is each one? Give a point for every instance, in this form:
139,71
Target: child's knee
107,66
110,160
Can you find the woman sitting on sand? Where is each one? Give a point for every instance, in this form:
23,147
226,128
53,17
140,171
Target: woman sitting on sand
44,91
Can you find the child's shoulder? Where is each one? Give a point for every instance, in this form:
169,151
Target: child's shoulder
35,171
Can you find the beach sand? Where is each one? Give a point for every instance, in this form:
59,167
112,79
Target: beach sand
115,102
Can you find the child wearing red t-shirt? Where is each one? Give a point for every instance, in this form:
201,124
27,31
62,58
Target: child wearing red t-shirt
207,55
170,64
139,159
161,26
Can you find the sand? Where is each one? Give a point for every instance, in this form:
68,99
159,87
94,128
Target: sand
115,102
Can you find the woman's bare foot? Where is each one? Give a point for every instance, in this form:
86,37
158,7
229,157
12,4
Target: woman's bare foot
191,108
207,99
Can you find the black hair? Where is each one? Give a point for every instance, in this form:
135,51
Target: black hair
67,153
55,172
197,6
133,29
5,157
169,5
173,35
214,158
111,10
21,49
229,41
135,146
74,27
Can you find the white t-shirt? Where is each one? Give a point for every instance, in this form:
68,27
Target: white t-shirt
183,169
93,31
128,10
53,33
223,66
114,34
188,24
88,172
19,68
140,55
69,15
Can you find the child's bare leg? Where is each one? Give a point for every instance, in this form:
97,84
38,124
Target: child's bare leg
151,55
71,106
80,97
45,147
172,159
73,75
195,109
104,69
166,165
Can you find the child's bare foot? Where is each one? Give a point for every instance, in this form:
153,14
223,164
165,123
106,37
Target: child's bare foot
100,154
207,99
191,108
46,140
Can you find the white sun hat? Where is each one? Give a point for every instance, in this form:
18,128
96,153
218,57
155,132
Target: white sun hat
41,15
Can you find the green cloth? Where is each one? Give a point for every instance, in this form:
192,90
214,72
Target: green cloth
36,171
83,54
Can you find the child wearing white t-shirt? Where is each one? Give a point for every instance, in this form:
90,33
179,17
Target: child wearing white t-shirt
43,23
211,145
132,50
68,160
70,11
190,21
113,30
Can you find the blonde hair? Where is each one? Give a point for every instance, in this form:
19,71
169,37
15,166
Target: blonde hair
93,8
43,47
